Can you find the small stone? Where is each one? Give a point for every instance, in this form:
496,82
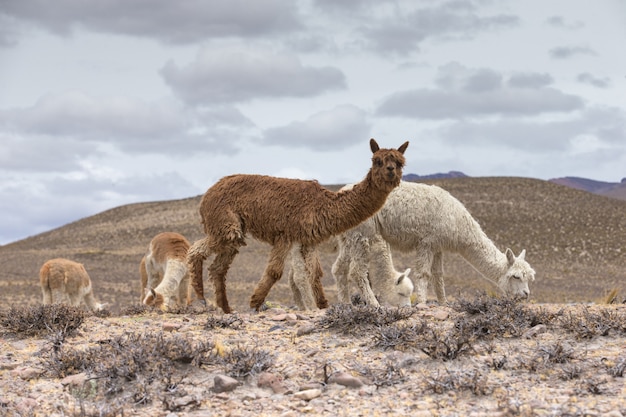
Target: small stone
170,327
224,383
308,394
75,380
27,373
345,379
305,329
534,331
441,315
273,381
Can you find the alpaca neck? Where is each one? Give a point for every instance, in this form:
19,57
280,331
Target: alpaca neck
483,255
351,207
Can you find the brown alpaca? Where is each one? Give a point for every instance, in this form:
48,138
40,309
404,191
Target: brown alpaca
66,282
164,273
284,212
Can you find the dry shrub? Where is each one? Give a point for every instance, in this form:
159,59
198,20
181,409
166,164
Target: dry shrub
360,320
491,317
462,380
42,320
128,367
587,324
244,361
399,336
226,321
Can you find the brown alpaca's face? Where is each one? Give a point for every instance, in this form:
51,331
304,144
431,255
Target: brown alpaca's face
387,166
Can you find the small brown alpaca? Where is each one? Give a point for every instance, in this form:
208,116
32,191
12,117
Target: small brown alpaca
66,282
284,212
164,273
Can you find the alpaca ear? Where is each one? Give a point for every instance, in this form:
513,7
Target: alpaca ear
374,146
403,275
402,148
522,254
510,256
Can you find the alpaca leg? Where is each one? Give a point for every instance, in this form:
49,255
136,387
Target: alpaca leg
217,273
47,296
306,271
359,270
340,270
318,290
196,255
437,278
295,291
273,272
423,268
183,290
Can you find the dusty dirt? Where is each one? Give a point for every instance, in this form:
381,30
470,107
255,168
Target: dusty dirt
552,369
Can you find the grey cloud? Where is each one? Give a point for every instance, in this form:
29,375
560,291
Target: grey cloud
165,20
565,52
42,153
81,122
606,127
530,80
587,78
468,92
403,31
335,129
9,33
231,76
559,22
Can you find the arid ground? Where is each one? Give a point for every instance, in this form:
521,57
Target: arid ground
560,353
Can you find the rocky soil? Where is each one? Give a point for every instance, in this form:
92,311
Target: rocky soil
472,358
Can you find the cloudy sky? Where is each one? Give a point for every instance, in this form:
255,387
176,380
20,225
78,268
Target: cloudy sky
110,102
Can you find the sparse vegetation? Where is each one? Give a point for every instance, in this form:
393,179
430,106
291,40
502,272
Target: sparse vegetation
360,319
42,320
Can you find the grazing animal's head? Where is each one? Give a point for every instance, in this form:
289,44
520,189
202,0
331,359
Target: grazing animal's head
101,306
154,299
387,165
515,281
402,290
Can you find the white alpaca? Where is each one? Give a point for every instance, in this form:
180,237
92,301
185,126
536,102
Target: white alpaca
365,260
427,220
164,272
67,282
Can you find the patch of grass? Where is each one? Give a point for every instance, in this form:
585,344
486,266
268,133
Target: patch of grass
42,320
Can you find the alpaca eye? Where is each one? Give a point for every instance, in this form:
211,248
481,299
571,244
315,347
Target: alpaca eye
516,277
378,162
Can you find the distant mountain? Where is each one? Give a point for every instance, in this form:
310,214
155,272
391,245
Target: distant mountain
437,176
607,189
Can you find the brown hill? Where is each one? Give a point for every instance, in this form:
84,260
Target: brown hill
575,240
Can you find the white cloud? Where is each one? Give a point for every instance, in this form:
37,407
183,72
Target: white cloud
465,92
241,74
335,129
167,21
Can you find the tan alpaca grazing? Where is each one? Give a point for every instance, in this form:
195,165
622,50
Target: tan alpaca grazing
164,273
66,282
284,212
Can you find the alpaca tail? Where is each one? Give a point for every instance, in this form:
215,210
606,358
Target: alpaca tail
196,255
